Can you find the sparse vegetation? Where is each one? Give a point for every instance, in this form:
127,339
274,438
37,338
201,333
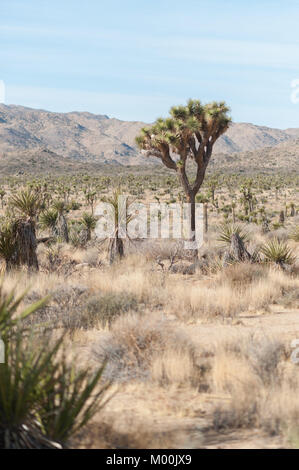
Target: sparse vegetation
177,335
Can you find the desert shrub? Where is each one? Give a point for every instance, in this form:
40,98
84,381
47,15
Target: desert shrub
102,309
241,274
242,415
91,256
277,225
277,252
135,341
249,371
290,299
264,355
280,234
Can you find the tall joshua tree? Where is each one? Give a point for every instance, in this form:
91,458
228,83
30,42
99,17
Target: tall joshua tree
189,133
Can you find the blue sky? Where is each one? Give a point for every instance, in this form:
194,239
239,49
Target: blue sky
133,59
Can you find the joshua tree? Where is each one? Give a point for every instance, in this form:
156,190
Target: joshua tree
27,206
116,244
247,197
213,184
189,133
89,223
90,197
281,217
61,227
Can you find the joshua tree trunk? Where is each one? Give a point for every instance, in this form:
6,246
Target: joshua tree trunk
234,215
116,248
26,244
236,252
191,201
61,228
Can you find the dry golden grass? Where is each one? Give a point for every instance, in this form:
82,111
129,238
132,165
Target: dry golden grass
200,353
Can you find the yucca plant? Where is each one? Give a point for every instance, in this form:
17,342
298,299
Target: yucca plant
226,231
43,398
26,203
71,400
59,206
121,218
89,223
9,304
278,252
61,228
48,219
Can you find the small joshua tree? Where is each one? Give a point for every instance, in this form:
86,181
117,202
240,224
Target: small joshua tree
189,133
61,227
89,222
26,205
121,216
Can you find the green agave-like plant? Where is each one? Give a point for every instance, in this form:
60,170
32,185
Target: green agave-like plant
278,252
48,219
226,231
27,203
72,399
88,221
59,207
44,400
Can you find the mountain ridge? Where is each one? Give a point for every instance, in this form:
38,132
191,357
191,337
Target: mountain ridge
84,137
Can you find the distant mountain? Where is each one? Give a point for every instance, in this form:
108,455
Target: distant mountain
41,161
281,157
77,137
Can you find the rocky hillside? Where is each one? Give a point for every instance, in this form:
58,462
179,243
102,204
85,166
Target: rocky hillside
43,139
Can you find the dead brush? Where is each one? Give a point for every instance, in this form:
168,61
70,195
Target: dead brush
100,311
136,341
241,274
248,370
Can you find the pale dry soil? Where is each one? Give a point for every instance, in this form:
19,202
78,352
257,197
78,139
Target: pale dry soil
181,417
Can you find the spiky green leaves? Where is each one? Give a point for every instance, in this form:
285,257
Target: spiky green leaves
48,219
185,125
277,251
88,221
26,203
226,231
44,399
